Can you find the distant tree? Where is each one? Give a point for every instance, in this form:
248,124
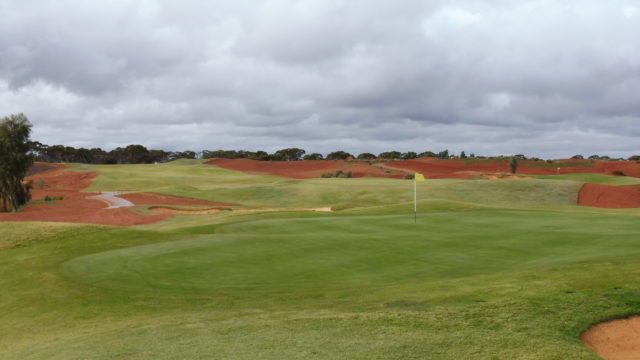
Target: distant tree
520,157
634,157
313,156
594,157
182,155
390,155
472,155
290,154
15,160
366,156
260,156
444,154
158,156
427,154
577,157
339,155
409,155
513,164
463,155
134,154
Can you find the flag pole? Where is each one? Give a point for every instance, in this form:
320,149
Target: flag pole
415,201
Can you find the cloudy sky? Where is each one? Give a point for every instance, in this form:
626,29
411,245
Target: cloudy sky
544,78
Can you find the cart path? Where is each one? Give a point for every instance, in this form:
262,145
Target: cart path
111,198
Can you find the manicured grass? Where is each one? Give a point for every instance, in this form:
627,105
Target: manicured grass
506,269
594,179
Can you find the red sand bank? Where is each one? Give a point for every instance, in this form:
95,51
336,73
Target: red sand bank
55,180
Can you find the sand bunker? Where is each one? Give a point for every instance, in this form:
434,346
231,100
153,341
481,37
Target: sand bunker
612,197
615,340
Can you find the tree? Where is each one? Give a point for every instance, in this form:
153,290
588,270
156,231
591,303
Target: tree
15,160
290,154
390,155
463,155
313,156
339,155
427,154
366,156
409,155
444,154
577,157
513,164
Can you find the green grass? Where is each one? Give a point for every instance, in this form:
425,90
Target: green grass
594,179
506,269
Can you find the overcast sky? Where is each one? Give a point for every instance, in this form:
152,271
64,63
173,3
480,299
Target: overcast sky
544,78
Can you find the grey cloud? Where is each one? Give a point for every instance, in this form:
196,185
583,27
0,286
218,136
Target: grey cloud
536,77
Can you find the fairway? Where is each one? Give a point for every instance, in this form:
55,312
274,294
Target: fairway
507,269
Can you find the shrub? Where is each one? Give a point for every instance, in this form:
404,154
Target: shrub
409,176
618,173
326,175
339,173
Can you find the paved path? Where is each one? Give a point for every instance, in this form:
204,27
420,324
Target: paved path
110,198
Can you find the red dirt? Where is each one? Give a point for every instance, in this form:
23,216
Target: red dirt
75,207
40,167
307,169
430,167
612,197
615,340
438,168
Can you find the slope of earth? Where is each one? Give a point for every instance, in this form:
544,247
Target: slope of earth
307,169
56,181
470,168
612,197
490,270
480,283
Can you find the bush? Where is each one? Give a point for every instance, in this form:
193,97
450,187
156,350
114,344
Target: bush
409,176
618,173
326,175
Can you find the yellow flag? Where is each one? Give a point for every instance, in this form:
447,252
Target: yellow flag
418,177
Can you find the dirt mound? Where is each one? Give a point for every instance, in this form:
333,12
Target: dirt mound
307,169
615,340
612,197
40,167
440,169
161,199
74,206
55,181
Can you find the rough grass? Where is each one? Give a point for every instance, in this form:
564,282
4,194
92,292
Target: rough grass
492,270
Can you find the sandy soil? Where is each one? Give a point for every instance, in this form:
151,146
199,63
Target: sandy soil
307,169
615,340
612,197
430,167
79,207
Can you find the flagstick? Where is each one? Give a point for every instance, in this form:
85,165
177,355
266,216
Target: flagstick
415,201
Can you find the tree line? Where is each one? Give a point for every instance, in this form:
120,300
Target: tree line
139,154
